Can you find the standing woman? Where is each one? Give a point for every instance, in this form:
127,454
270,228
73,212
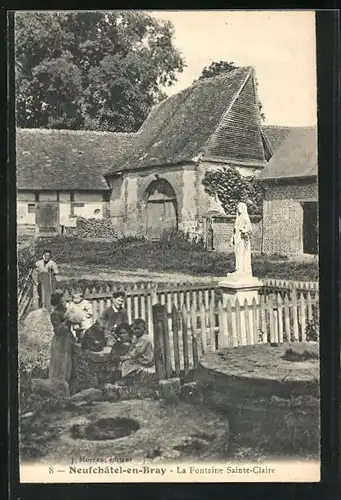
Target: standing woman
241,240
46,271
62,341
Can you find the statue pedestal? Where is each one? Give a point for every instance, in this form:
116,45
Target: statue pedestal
243,288
240,287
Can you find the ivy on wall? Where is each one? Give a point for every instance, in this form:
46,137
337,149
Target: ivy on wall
231,188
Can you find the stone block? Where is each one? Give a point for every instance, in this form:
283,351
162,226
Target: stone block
47,388
170,389
88,395
191,393
103,356
112,392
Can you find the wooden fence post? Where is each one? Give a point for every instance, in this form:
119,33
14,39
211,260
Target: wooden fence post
295,316
185,339
287,318
203,328
310,307
195,349
176,346
159,351
280,318
238,323
263,326
166,342
303,317
247,323
212,326
231,330
223,328
255,322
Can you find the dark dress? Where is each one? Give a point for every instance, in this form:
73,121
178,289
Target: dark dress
94,338
110,319
61,347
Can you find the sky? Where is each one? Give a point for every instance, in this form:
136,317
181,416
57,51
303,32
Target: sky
280,45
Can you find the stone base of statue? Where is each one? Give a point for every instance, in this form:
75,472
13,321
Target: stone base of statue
237,286
241,287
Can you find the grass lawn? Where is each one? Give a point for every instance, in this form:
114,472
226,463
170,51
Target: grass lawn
163,257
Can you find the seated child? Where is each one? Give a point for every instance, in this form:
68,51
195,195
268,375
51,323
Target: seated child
82,309
141,353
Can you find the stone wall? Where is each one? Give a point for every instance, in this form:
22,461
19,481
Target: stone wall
283,216
188,220
128,198
91,369
223,231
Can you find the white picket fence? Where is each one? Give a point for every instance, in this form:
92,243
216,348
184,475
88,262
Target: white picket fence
188,332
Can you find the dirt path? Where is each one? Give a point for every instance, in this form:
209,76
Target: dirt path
96,272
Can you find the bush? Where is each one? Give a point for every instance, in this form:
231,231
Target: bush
313,327
25,262
127,240
175,238
231,188
276,256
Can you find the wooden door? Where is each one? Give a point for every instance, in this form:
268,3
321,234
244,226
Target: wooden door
155,216
161,216
310,233
47,218
169,218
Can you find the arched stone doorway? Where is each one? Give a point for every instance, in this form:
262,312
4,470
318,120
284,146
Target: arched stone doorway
161,209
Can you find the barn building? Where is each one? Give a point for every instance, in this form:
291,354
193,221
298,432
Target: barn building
290,207
147,181
60,176
216,122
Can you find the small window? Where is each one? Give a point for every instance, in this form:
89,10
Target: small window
73,206
31,208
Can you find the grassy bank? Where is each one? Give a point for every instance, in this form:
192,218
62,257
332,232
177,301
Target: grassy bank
130,254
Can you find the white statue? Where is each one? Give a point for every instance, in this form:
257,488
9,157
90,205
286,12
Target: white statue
241,240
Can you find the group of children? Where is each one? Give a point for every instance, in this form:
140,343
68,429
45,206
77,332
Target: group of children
131,347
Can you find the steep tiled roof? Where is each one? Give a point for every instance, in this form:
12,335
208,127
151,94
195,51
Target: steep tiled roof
216,117
295,157
67,159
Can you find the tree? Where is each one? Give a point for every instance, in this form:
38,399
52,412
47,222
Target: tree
92,70
216,68
231,188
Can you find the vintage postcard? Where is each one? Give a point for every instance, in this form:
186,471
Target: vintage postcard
167,242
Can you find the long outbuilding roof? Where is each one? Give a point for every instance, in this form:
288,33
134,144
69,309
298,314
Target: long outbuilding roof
50,159
295,157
